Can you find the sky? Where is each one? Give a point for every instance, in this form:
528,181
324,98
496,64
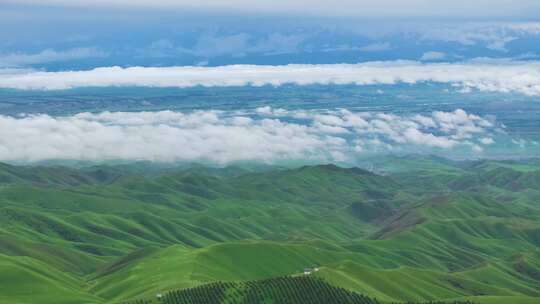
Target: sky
488,48
338,8
75,35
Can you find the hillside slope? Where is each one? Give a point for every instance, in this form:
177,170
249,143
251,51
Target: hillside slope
429,229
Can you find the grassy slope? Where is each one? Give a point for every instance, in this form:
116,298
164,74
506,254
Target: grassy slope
117,235
26,280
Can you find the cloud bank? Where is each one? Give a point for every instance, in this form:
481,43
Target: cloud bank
266,135
485,75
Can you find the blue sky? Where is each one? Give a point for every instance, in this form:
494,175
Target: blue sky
64,35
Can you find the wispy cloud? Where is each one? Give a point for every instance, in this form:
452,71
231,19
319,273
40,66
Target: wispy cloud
494,36
433,56
372,47
49,55
266,135
236,45
493,76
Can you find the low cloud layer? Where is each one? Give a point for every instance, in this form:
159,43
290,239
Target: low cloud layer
265,135
485,75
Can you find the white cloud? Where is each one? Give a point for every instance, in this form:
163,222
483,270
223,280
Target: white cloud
49,55
487,140
433,56
530,28
237,45
160,136
415,136
277,112
492,76
494,36
500,44
227,137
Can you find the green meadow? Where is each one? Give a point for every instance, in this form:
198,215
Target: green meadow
416,229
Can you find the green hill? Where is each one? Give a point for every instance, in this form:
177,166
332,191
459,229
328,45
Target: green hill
300,289
288,289
422,229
